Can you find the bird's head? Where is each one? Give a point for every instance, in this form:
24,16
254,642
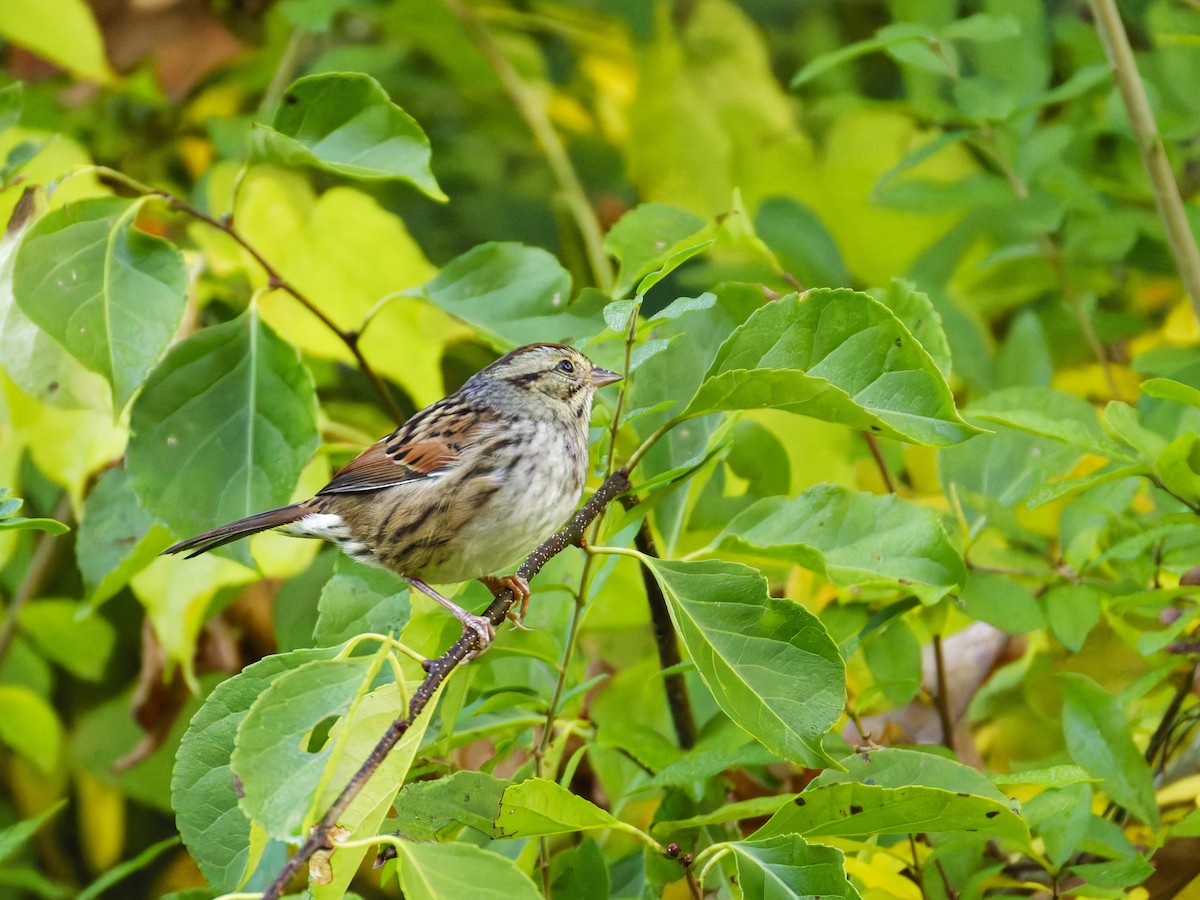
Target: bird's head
535,372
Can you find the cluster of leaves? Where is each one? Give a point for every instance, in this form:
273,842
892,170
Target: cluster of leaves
912,411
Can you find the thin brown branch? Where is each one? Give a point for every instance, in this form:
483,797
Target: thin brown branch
1150,145
275,281
41,566
437,670
1170,719
533,111
678,701
942,699
880,462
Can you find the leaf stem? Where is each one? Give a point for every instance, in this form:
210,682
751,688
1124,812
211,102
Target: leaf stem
437,670
275,281
678,701
538,122
648,444
1150,146
942,700
880,462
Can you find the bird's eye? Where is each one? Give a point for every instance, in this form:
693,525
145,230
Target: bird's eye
565,366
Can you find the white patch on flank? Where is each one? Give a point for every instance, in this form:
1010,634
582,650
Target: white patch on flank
327,526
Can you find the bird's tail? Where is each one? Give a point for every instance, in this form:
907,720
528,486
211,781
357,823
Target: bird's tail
263,521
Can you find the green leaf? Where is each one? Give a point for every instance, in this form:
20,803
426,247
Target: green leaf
836,355
852,538
10,521
61,31
359,599
12,101
29,726
123,870
68,633
537,807
1072,611
223,427
35,361
802,243
427,810
916,311
787,867
1050,776
438,871
345,123
645,238
898,767
853,809
15,836
730,624
512,295
204,793
1049,413
887,37
111,294
117,537
279,773
1169,389
1002,603
1178,465
1099,740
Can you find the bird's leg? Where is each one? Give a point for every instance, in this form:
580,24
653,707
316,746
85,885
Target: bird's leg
515,583
482,626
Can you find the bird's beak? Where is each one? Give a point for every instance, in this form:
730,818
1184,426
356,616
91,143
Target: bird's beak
601,377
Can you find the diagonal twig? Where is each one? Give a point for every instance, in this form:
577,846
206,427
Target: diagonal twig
437,670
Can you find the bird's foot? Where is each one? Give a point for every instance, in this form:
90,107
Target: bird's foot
481,626
520,588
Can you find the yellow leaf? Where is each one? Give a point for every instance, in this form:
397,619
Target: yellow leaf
61,31
176,593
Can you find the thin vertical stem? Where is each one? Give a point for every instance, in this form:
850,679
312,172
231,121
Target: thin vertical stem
1150,145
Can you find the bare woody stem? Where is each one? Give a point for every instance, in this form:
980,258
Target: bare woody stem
678,701
1150,144
437,670
275,281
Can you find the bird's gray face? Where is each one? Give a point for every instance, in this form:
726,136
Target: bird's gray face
551,370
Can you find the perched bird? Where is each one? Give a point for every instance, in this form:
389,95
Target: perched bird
465,487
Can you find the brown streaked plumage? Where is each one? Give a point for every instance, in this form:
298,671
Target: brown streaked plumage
462,489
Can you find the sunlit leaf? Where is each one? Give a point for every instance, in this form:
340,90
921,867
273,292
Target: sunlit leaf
345,122
29,726
62,31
